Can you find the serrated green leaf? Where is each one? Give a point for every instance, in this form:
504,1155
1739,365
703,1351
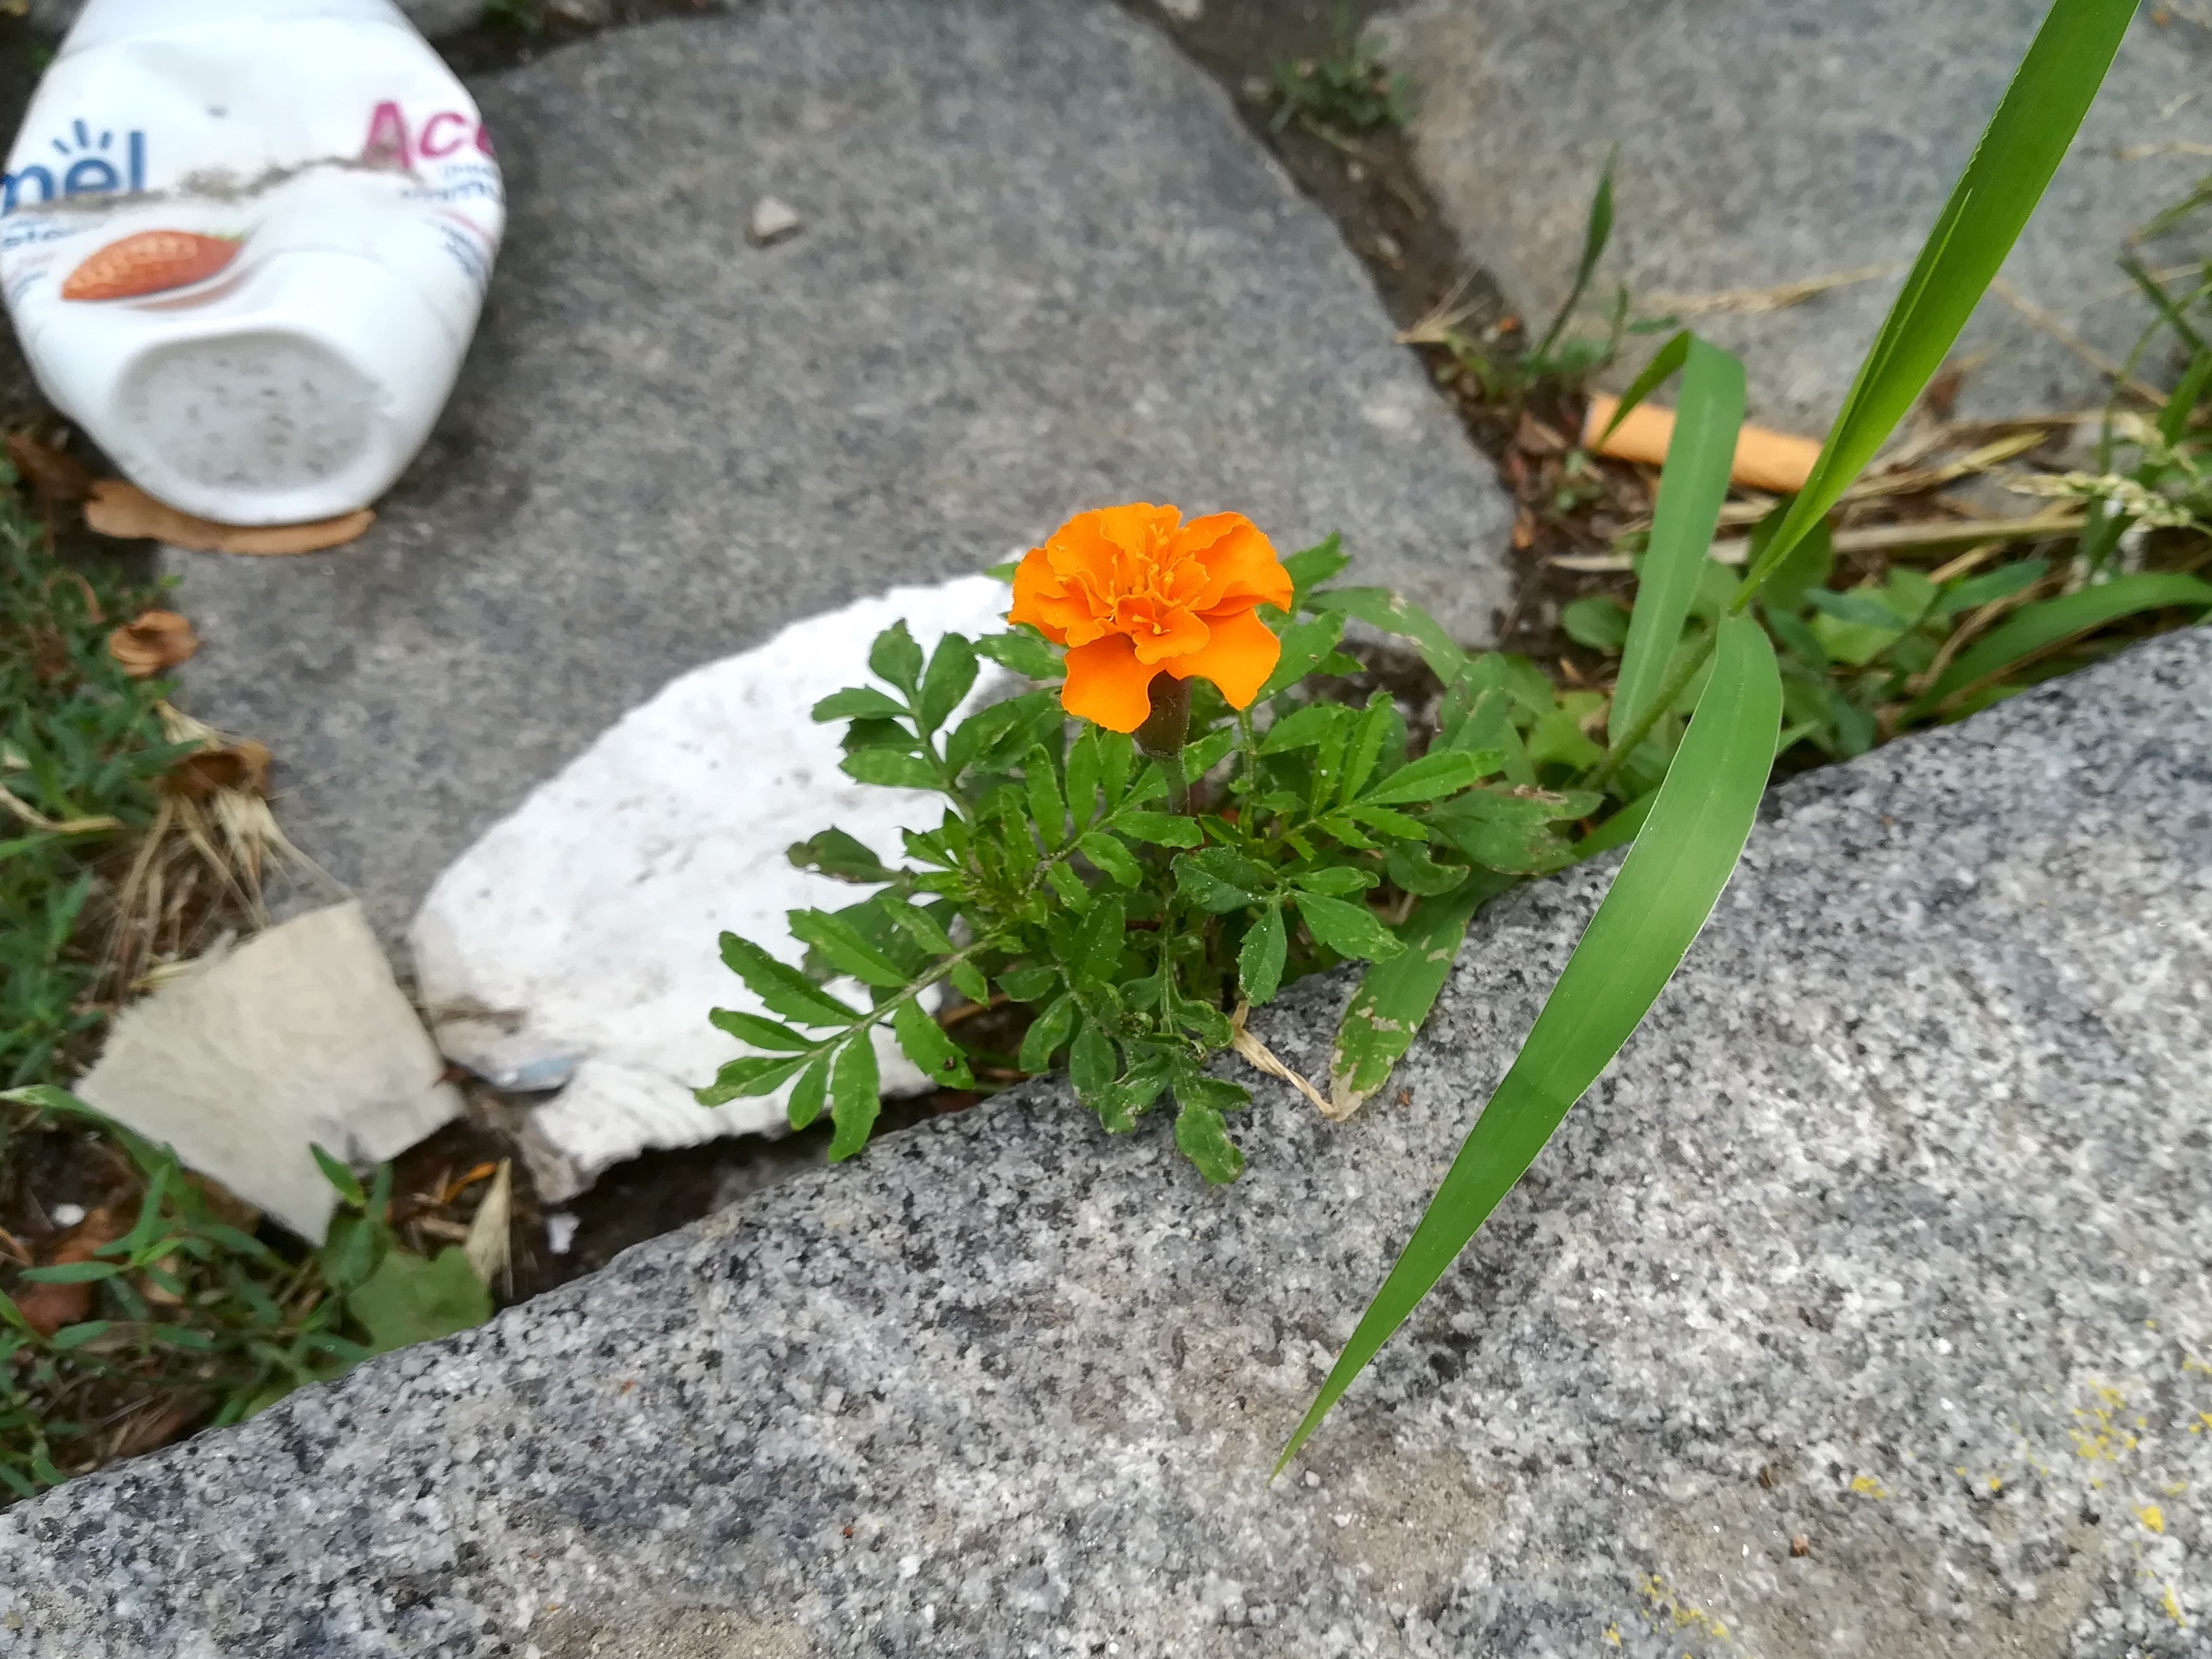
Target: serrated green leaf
759,1033
1412,869
75,1336
859,703
1443,772
1658,902
992,739
839,856
1200,1130
918,925
1350,930
896,658
888,768
926,1042
1309,568
1206,753
1082,778
808,1094
1303,728
1160,828
970,980
952,676
1113,859
1383,820
1028,984
1365,745
1092,1063
1260,960
1047,811
840,945
781,987
1022,652
1099,952
1336,881
1307,646
749,1075
1047,1032
855,1098
1219,881
1394,997
1394,613
1069,886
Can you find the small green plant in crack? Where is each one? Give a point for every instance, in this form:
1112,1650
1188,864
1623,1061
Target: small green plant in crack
1346,90
163,1307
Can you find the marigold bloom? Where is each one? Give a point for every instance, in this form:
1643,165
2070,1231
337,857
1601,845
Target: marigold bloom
1133,592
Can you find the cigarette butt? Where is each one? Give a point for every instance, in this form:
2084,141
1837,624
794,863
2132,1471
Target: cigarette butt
1772,461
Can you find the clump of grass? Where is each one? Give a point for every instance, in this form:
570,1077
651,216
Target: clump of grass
125,841
163,1309
1346,90
81,752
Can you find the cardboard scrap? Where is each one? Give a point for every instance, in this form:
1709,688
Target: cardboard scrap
299,1035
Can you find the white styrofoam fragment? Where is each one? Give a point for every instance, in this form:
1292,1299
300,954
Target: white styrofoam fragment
577,937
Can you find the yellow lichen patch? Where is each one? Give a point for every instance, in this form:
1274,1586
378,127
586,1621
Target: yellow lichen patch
2152,1517
2099,1440
2173,1607
1612,1634
1996,1483
1867,1486
1665,1604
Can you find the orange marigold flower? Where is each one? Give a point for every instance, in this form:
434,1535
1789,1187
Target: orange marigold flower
1133,592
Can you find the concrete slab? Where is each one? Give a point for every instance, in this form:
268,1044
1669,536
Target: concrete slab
1884,1234
1765,142
1041,268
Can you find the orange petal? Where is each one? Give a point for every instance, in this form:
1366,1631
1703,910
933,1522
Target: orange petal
1035,586
1239,656
1170,631
1240,563
1139,528
1108,684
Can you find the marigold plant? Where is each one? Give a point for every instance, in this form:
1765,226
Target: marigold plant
1168,826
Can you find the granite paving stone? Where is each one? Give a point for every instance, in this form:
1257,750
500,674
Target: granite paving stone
1884,1234
1766,141
1041,267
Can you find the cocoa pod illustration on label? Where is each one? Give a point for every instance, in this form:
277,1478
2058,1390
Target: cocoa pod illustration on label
151,262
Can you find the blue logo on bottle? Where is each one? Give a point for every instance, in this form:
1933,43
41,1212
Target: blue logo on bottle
89,167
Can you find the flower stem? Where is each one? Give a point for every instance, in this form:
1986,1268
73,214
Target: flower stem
1161,737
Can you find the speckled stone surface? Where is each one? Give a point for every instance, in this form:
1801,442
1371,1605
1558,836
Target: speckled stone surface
1765,142
1887,1233
1041,266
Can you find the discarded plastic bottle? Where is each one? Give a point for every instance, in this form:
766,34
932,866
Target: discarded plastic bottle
245,243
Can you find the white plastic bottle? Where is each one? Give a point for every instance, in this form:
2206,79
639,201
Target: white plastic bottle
245,243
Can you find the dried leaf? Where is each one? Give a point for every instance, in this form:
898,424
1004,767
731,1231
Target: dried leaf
57,476
242,768
124,510
156,643
49,1307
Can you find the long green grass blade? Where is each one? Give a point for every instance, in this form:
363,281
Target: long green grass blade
1658,902
1596,232
1692,488
2026,140
1664,361
2037,628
